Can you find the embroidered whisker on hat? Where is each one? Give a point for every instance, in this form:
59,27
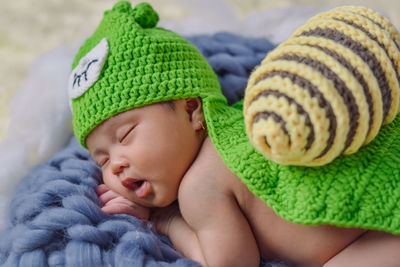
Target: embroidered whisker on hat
327,90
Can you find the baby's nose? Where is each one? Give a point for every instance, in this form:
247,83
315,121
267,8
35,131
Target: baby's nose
118,165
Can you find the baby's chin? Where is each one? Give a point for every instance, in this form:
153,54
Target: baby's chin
153,200
162,202
161,196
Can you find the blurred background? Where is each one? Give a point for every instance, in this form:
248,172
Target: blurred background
39,38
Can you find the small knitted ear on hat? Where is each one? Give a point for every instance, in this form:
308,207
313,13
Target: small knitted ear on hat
145,15
122,6
327,90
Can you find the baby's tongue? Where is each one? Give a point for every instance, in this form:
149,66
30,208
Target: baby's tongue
140,187
144,190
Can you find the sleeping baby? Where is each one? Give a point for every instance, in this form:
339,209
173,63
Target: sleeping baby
287,174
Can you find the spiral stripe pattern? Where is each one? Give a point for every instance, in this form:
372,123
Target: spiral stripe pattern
327,90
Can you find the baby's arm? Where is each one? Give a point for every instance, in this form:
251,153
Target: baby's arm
212,228
113,203
371,249
169,221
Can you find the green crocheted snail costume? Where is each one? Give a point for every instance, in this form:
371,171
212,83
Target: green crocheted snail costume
129,62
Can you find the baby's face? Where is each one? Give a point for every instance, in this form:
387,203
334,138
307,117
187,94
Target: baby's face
145,152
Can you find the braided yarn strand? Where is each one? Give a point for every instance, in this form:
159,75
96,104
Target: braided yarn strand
327,90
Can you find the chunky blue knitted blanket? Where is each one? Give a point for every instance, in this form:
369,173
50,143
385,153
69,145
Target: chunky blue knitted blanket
55,216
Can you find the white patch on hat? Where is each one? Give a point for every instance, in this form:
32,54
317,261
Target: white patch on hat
88,70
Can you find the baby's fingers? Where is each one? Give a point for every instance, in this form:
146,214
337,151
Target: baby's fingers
108,196
127,208
101,189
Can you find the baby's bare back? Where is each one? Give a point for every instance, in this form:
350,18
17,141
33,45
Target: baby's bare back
295,243
275,237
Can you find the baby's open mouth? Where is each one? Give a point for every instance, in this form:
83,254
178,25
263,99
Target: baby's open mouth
141,187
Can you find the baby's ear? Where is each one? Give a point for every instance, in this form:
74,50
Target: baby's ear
195,111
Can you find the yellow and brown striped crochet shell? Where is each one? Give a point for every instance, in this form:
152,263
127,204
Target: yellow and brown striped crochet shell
327,90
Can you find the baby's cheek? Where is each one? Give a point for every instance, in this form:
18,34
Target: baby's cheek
114,184
111,182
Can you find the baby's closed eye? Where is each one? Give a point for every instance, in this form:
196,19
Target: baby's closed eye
122,136
100,158
103,161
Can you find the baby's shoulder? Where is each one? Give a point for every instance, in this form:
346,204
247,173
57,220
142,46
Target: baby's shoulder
208,188
209,174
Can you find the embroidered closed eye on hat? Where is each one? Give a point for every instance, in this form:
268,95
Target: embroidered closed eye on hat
323,94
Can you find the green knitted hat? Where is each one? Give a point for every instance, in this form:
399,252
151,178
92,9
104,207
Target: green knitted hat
129,62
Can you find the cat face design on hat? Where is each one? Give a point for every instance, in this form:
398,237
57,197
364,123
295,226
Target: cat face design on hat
87,72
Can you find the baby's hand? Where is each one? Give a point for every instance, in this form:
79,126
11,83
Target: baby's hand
114,203
162,217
